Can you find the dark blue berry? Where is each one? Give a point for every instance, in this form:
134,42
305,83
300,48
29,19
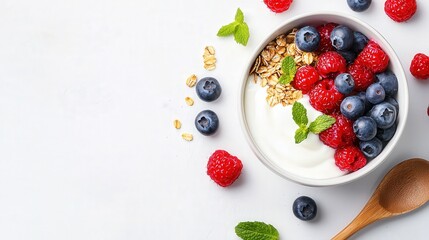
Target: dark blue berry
342,37
307,39
365,128
389,82
359,42
371,148
344,83
207,122
386,134
362,96
349,56
384,114
392,101
304,208
352,107
375,93
359,5
208,89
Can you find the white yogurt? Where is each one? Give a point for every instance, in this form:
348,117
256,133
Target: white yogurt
273,131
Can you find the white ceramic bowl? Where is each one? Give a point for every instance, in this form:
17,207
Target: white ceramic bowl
394,65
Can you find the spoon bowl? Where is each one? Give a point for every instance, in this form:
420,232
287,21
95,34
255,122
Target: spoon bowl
403,189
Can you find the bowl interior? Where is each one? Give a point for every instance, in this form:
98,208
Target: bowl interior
394,65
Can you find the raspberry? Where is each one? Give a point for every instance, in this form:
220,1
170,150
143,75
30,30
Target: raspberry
325,97
325,30
278,6
305,78
362,76
373,57
400,10
340,134
223,168
331,64
349,158
420,66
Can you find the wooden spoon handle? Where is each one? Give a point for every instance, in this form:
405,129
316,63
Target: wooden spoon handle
369,214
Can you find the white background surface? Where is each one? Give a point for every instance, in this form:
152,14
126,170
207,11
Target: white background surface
88,93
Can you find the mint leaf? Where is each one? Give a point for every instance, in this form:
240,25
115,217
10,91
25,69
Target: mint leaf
321,123
241,34
301,134
227,29
238,28
299,114
288,69
256,231
239,16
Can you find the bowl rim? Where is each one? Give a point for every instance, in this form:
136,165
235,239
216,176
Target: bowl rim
347,178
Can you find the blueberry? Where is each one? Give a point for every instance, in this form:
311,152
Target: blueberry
365,128
375,93
393,101
389,82
307,39
207,122
359,5
384,114
371,148
386,134
359,42
362,96
342,37
208,89
349,56
344,83
352,107
304,208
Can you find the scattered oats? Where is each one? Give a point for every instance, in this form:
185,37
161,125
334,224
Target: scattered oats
210,49
191,81
189,101
209,67
177,124
187,136
209,58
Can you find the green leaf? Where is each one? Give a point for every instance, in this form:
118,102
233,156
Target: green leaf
239,16
227,29
301,134
256,231
288,69
321,123
299,114
242,34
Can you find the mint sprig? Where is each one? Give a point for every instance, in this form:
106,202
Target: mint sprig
238,28
288,69
320,124
256,231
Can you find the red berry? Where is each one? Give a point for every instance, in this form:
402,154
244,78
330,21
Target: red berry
420,66
325,97
330,64
340,134
305,78
400,10
362,76
223,168
373,57
349,158
278,6
325,30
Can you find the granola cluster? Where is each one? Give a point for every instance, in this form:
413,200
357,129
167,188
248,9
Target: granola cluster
267,68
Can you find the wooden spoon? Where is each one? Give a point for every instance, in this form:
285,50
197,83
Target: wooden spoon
404,188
